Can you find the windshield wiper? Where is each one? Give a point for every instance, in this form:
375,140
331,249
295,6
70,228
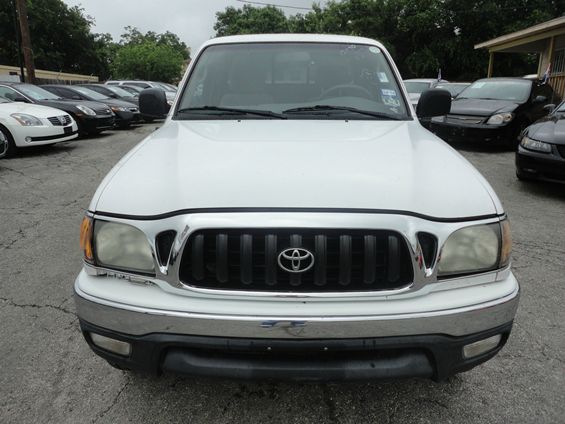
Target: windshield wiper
233,111
322,108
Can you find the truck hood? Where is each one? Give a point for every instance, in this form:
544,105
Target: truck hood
385,165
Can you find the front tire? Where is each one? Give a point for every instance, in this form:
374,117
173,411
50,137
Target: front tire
11,148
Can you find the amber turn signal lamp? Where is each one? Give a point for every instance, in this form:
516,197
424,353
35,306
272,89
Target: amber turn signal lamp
86,228
506,250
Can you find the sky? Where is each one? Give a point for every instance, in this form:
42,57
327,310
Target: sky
191,20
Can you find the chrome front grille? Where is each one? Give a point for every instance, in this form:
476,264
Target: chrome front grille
464,119
344,260
60,121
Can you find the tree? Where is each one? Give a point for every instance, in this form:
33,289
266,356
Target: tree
147,60
59,35
251,20
421,35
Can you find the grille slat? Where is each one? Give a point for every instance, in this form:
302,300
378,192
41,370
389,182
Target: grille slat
271,259
321,263
370,259
222,258
344,260
246,258
393,262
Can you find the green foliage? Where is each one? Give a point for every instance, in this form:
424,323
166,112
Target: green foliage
421,35
147,60
59,35
62,40
251,20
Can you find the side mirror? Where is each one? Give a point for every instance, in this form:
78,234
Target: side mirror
539,99
549,108
434,102
153,103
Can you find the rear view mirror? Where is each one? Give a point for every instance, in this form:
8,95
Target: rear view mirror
434,102
153,103
549,108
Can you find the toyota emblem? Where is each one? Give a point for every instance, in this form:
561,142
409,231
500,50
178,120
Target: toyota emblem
296,260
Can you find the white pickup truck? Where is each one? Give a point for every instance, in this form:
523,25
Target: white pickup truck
293,220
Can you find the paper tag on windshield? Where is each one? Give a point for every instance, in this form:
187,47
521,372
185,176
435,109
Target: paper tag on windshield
382,77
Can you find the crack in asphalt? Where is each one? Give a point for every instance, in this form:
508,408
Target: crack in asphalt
112,404
36,306
330,405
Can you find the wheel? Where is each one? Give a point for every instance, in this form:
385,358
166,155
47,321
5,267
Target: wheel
6,137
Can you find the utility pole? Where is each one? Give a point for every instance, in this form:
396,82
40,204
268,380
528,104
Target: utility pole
18,41
26,40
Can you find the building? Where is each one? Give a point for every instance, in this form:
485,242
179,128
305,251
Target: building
12,73
547,39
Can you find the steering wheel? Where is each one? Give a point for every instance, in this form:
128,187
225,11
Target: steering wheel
351,88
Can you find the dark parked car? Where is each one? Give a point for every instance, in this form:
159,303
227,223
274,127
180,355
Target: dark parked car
541,152
133,89
114,92
125,112
454,88
494,110
91,117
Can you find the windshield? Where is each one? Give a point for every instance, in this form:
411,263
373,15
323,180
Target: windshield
454,89
119,91
3,100
416,87
281,77
163,86
91,93
132,89
517,91
36,93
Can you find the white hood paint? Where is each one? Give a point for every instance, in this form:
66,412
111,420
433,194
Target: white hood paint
38,111
395,165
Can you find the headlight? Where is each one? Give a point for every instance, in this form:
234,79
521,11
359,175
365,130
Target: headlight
26,120
476,249
537,146
86,110
118,109
121,246
500,118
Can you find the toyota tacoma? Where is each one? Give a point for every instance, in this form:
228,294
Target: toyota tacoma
292,219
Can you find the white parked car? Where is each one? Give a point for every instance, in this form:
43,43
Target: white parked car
25,125
297,222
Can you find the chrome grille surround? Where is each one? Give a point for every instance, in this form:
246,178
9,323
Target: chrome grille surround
185,224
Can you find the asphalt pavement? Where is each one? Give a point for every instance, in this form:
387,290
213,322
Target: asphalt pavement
49,375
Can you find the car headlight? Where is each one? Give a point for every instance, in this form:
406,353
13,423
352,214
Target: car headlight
500,118
26,120
535,145
117,246
118,109
86,110
476,249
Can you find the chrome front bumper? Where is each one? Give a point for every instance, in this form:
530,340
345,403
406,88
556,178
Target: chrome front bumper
137,321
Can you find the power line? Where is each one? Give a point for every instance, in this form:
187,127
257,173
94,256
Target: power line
275,5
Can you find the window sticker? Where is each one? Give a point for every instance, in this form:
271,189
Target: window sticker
388,92
390,101
382,77
374,50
